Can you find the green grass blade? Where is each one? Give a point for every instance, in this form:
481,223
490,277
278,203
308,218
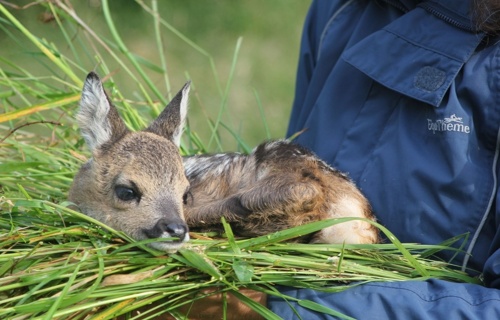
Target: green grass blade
52,57
417,265
199,261
262,114
159,47
128,54
222,109
230,236
56,103
59,300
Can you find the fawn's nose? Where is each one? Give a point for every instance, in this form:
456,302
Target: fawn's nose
178,230
166,229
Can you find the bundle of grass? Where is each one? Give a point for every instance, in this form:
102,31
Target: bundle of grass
56,263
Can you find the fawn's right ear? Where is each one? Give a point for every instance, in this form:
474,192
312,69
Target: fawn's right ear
170,122
98,119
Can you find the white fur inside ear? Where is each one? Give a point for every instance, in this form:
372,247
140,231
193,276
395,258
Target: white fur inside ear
93,114
176,137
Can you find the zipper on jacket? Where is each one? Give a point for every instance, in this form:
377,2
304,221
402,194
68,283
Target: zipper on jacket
438,11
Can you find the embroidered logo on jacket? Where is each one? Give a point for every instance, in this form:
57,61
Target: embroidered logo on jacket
452,124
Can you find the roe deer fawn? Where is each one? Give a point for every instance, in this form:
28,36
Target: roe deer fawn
137,182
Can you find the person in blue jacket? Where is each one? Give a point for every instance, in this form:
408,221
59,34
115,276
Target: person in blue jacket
404,96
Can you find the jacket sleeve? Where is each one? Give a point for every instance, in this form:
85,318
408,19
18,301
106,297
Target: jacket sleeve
492,270
433,299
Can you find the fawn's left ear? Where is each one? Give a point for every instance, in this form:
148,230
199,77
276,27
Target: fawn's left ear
98,119
170,123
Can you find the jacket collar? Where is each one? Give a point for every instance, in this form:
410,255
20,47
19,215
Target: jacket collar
418,54
455,12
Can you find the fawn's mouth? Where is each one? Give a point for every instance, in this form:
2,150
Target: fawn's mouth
170,235
169,243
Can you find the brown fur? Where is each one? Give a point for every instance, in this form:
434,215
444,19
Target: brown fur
278,186
137,182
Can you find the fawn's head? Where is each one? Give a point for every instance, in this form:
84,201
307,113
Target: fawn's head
135,181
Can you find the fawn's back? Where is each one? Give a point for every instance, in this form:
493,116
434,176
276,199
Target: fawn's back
278,186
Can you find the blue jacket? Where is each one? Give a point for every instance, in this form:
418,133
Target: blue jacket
404,96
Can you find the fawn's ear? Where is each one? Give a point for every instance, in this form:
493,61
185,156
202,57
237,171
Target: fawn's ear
98,119
170,123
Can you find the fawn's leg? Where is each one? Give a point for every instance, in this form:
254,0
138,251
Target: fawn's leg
286,195
206,214
265,196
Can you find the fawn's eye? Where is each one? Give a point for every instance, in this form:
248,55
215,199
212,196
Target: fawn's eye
126,193
186,196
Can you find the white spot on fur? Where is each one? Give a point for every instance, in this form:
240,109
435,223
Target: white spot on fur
92,116
262,172
176,138
351,232
169,246
214,165
272,144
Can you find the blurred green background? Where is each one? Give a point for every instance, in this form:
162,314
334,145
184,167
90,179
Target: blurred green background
264,71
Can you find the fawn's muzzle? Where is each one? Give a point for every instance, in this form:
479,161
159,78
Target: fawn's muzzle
168,229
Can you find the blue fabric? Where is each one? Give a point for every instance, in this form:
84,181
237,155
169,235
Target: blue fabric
434,299
404,97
